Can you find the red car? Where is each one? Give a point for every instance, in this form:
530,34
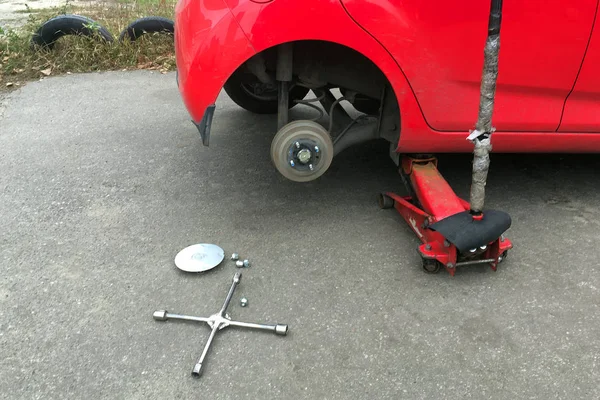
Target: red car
410,69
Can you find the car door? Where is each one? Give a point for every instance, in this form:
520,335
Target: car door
582,108
439,46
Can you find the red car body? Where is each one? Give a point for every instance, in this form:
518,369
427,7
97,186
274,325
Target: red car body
431,52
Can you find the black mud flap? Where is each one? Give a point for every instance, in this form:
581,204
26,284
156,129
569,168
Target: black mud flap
205,124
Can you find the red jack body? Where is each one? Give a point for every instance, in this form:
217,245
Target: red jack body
435,201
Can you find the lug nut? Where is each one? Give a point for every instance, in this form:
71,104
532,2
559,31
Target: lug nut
297,145
239,264
235,257
304,155
310,166
316,149
246,263
292,163
244,302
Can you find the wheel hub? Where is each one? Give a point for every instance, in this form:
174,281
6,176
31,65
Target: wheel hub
304,155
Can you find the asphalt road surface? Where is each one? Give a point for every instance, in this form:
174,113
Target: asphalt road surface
103,180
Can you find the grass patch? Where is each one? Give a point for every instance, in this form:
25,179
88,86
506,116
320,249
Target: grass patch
19,62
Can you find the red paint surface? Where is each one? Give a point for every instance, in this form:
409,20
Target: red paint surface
440,49
432,54
209,46
582,109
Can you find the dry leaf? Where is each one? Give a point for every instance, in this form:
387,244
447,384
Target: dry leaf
5,58
68,73
9,84
47,71
18,70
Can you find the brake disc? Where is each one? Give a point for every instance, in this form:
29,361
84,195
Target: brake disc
302,150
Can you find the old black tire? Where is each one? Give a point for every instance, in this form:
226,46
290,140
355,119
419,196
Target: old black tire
55,28
385,201
145,25
241,92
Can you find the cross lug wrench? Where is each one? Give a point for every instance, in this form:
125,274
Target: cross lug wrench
219,321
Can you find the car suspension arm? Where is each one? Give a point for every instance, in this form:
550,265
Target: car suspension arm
284,74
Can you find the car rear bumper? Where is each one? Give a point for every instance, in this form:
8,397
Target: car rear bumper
209,47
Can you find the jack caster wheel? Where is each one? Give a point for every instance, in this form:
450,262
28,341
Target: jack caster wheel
431,266
385,201
302,151
502,256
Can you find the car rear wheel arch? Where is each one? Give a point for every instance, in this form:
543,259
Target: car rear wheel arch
320,64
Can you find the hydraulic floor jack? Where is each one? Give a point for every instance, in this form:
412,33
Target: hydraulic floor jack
455,232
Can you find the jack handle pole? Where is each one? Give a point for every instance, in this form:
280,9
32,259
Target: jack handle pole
481,136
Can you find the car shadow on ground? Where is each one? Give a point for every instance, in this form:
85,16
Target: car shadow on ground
524,185
513,172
